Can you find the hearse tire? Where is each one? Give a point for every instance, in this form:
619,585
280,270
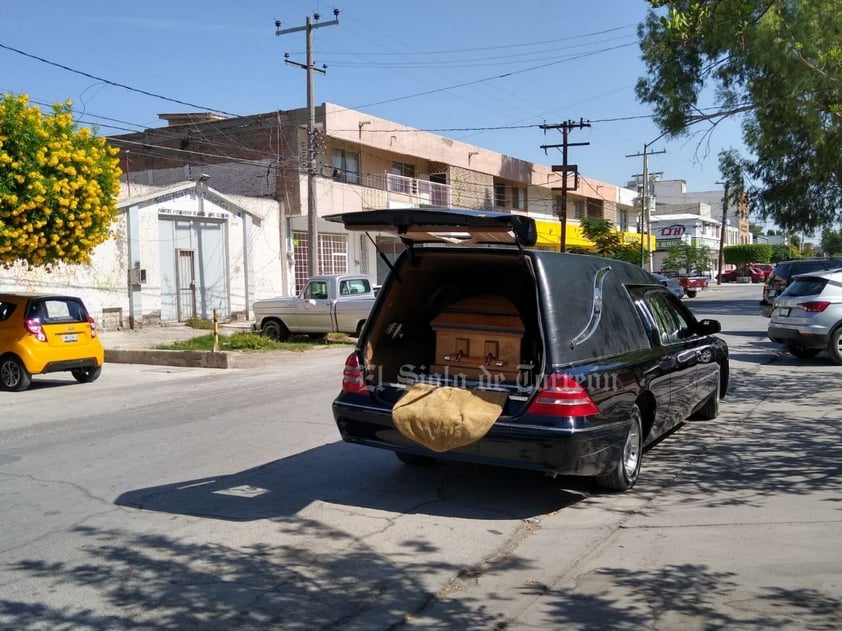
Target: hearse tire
414,459
627,467
710,409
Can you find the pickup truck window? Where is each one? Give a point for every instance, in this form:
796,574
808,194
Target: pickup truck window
354,286
317,290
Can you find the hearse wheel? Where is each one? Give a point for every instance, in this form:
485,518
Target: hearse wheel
627,467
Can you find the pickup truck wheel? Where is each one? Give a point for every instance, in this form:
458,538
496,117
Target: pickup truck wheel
275,330
691,293
627,467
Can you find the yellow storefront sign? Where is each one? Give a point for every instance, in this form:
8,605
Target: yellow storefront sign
549,236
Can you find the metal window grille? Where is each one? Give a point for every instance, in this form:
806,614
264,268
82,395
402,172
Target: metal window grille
333,256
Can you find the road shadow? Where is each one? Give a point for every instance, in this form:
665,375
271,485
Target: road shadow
361,477
167,582
691,596
763,445
322,576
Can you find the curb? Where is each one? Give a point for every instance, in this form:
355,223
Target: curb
201,359
183,359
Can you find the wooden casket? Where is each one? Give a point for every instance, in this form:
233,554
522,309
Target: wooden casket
479,337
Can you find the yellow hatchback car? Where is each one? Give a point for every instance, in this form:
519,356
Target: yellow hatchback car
42,333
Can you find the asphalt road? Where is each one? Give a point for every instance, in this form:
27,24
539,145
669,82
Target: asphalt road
175,498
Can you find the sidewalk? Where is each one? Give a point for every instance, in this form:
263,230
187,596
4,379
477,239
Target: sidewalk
151,336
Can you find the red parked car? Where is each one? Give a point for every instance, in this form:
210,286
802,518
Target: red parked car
757,275
766,268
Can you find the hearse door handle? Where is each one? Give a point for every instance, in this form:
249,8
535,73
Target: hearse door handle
687,356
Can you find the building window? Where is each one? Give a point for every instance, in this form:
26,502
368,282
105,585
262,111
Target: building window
500,195
401,178
518,198
403,168
346,166
579,209
333,256
623,220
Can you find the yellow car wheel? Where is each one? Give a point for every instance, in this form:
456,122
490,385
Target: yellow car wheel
13,374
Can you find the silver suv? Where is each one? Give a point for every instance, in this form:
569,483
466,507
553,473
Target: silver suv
807,316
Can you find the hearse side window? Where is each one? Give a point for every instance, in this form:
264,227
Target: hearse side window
671,323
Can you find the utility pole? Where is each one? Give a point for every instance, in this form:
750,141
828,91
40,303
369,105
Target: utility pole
721,261
312,216
644,201
565,168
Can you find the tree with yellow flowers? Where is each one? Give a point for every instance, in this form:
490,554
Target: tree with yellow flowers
58,186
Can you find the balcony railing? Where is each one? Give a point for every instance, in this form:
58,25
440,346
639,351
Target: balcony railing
420,192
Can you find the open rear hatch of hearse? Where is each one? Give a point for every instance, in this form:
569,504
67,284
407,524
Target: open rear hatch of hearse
459,316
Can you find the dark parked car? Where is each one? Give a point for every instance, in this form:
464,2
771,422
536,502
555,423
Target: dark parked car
485,351
782,276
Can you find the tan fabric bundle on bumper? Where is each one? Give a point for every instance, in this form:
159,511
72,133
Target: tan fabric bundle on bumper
444,418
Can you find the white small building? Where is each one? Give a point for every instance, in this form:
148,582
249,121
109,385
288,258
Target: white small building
178,252
692,229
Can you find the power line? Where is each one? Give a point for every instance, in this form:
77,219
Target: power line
486,79
484,48
114,83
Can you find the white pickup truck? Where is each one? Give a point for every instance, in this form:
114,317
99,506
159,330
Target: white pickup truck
329,303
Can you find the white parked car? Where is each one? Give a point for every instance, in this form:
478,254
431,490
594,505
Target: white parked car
807,316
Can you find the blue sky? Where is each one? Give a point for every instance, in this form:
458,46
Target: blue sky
484,72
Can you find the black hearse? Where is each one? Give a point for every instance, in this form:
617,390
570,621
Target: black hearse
486,351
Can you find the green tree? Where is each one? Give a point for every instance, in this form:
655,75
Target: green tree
783,252
607,241
743,255
687,259
58,186
832,242
777,64
601,232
